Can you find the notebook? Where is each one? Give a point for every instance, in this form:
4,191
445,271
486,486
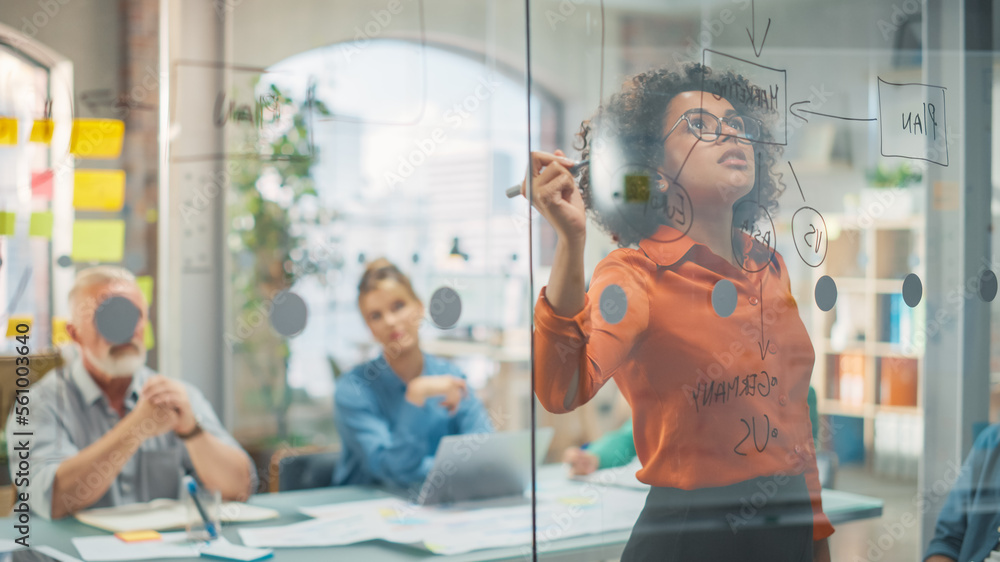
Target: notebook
164,514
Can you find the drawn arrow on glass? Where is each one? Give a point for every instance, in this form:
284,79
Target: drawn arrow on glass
753,23
763,346
791,109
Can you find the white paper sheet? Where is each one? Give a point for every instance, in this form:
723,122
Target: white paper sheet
164,514
623,476
328,531
109,548
566,509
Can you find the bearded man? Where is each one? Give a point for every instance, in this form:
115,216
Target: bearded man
107,430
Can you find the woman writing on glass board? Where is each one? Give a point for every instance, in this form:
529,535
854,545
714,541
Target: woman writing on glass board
692,314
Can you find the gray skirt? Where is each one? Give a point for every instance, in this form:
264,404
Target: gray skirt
767,519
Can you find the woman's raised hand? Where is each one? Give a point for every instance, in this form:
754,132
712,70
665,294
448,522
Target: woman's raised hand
451,389
556,195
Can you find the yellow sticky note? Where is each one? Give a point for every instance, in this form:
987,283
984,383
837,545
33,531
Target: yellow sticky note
97,138
145,283
17,320
8,130
7,219
148,339
41,131
98,190
60,335
100,241
41,224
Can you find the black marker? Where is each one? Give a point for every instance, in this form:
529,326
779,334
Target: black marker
515,190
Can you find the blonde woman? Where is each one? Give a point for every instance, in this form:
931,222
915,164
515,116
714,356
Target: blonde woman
392,411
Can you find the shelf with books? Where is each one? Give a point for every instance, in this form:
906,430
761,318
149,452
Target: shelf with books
868,364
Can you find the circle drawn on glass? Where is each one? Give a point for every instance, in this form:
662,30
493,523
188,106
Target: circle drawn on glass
636,184
988,286
724,298
826,293
761,236
614,303
913,290
64,261
116,318
810,236
289,314
446,308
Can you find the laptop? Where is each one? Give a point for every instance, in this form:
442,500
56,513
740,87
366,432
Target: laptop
483,466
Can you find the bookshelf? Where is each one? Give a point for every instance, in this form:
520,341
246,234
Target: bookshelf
868,352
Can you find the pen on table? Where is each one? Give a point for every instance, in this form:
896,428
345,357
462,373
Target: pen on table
192,489
515,190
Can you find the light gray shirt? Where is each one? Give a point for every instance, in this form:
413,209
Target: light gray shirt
68,412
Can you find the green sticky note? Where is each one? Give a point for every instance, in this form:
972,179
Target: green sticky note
41,224
145,283
636,188
98,241
7,223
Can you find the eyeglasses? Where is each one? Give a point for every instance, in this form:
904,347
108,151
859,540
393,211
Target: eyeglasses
708,127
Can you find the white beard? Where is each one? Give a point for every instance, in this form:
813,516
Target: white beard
124,365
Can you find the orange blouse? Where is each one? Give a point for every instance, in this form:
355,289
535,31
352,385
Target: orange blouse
715,400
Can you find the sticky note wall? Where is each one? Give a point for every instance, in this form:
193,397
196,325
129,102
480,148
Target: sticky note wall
98,190
97,138
98,240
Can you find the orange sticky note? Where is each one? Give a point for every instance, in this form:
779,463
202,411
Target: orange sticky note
17,320
97,138
98,190
60,335
8,130
138,536
98,241
41,131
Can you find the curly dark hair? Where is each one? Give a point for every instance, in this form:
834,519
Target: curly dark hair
632,121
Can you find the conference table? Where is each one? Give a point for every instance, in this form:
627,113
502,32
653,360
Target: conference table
840,507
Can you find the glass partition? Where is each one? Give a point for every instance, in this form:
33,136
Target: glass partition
557,279
772,245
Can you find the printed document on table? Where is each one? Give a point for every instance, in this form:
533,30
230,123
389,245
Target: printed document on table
623,476
328,531
164,514
109,548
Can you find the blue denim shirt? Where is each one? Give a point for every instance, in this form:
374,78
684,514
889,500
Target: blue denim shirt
967,526
387,440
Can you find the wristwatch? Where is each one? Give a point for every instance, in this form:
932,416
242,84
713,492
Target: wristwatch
193,433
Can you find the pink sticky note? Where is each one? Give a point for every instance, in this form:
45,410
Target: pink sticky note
41,184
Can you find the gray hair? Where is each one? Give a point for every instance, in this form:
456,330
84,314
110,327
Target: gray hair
94,276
